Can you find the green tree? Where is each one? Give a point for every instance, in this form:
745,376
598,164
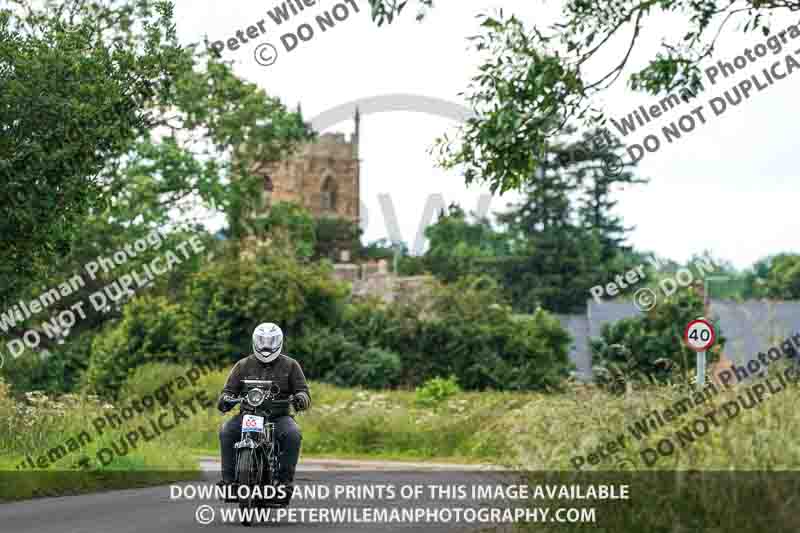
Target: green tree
291,227
562,246
465,329
600,173
212,318
199,153
534,75
755,279
149,331
782,280
383,249
458,247
70,102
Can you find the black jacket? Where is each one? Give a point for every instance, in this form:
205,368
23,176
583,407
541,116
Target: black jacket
283,371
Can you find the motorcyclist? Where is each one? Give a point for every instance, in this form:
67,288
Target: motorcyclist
265,363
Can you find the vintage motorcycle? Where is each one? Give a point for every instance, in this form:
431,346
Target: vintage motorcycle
258,451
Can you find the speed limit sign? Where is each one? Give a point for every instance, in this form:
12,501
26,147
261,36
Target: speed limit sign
699,335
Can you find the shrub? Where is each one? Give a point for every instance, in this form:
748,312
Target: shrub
334,234
373,368
57,370
212,320
464,329
650,348
320,350
229,298
435,391
461,330
149,331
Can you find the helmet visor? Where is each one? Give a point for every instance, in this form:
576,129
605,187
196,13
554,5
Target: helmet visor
269,343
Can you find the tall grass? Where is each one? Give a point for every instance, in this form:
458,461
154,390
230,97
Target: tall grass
533,431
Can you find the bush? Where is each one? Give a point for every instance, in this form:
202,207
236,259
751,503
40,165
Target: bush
320,350
435,391
149,331
465,330
410,265
458,330
373,368
334,234
213,319
228,299
56,371
650,348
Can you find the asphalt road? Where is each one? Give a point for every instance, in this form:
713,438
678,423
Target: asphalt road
153,510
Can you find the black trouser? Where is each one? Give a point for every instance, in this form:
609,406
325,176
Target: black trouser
287,433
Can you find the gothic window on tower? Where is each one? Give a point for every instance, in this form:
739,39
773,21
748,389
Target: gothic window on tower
329,194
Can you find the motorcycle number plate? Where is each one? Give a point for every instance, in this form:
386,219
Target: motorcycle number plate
252,423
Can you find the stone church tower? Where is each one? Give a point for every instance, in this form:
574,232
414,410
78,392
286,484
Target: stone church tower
322,176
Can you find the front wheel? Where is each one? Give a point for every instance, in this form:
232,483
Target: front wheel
247,474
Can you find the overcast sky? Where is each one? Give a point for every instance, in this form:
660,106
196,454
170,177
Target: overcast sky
727,186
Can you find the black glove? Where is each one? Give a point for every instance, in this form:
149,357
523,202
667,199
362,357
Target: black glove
226,402
301,401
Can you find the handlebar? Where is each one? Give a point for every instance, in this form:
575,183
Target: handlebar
287,402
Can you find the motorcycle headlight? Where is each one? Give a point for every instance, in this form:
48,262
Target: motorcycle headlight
255,397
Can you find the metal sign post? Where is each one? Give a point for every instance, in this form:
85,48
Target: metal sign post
701,369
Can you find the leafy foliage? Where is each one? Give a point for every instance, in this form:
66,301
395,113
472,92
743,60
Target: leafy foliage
782,277
387,10
561,239
180,138
70,102
382,249
537,81
465,330
459,247
321,349
288,225
58,369
149,332
335,234
650,347
435,391
518,98
373,368
212,319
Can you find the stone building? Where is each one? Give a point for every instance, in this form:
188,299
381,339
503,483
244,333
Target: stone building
322,176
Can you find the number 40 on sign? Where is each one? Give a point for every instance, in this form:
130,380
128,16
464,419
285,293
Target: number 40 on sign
699,335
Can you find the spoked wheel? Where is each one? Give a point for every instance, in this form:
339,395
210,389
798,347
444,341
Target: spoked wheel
247,473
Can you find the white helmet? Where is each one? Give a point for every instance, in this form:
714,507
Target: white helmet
267,342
